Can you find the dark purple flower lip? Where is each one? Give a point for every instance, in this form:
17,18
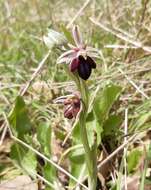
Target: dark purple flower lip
79,57
91,62
83,66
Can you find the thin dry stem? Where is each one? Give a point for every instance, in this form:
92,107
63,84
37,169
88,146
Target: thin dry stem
121,147
3,134
125,149
78,13
138,44
133,84
41,155
22,92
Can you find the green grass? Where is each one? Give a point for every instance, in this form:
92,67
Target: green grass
22,26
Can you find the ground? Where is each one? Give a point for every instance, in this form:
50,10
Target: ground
121,32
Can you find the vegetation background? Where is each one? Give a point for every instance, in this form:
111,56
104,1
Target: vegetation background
121,30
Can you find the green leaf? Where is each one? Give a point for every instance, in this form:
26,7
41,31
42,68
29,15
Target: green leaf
76,134
146,164
133,160
140,122
44,137
149,152
78,171
67,34
77,155
50,173
60,134
102,105
105,100
118,185
92,125
24,158
111,125
147,181
19,120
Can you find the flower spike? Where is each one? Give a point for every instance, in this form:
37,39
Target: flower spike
80,57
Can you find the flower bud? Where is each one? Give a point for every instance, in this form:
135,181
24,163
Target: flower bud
71,107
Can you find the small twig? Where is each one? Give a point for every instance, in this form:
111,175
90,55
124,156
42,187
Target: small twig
66,152
116,151
8,9
116,76
45,180
3,133
10,86
81,176
142,17
68,136
78,13
133,84
22,92
70,132
125,149
103,59
121,36
118,46
112,167
126,33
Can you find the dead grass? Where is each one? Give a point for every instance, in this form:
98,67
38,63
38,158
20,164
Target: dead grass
121,30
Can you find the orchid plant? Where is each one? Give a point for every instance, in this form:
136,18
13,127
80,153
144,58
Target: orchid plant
80,61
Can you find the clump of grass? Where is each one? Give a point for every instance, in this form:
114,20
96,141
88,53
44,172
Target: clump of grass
120,30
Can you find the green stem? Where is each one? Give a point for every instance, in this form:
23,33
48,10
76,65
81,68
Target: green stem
90,156
84,139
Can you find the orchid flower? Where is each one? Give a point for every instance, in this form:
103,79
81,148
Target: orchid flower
71,105
79,57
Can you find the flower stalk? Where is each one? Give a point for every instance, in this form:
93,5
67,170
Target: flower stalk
79,63
90,155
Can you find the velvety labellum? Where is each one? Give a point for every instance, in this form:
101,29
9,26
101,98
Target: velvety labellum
84,68
91,62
